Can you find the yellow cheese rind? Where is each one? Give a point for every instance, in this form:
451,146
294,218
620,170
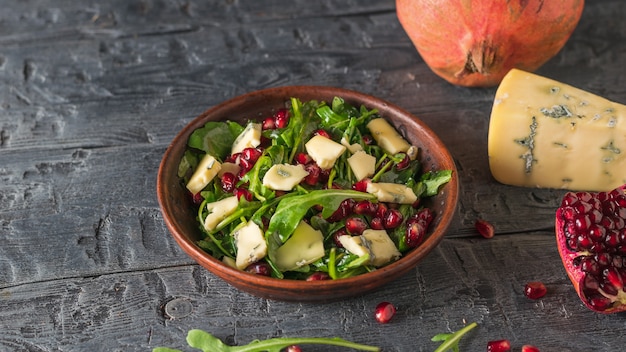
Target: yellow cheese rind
547,134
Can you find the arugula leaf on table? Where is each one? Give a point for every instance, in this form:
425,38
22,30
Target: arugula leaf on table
206,342
451,341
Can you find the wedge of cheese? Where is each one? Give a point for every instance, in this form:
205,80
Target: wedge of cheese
544,133
207,169
387,137
376,243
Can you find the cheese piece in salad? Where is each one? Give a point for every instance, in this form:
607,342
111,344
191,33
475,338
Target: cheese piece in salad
315,190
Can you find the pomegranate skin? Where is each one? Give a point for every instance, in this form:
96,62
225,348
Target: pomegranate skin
571,258
474,43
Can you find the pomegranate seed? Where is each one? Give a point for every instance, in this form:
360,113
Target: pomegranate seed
281,118
228,182
251,154
293,348
344,210
259,268
499,346
415,234
341,232
361,186
196,198
242,192
529,348
393,218
535,290
384,312
268,124
318,276
367,139
322,133
381,210
356,225
377,224
485,228
365,207
404,163
314,174
303,158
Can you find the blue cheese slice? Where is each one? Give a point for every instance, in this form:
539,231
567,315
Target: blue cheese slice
392,192
219,210
284,177
207,168
250,137
544,133
375,243
251,245
387,137
324,151
305,246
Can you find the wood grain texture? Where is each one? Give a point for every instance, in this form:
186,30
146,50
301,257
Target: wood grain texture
91,93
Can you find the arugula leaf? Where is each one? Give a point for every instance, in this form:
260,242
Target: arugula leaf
433,180
206,342
451,341
215,138
291,210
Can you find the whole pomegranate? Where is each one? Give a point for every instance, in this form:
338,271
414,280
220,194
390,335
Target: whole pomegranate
591,238
474,43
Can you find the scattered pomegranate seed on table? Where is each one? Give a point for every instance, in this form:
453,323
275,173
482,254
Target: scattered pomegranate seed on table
384,312
535,290
485,228
498,346
293,348
529,348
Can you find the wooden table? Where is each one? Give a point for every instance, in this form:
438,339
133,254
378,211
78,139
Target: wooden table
91,94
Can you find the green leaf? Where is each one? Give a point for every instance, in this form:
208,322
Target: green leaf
291,210
434,180
451,341
215,138
208,343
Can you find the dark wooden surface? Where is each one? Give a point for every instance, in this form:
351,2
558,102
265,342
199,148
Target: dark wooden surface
92,92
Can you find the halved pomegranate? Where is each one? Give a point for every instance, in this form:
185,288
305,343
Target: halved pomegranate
591,238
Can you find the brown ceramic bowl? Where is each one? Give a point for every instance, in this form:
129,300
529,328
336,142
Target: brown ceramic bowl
180,217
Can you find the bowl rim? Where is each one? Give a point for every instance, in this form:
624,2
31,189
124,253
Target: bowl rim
385,273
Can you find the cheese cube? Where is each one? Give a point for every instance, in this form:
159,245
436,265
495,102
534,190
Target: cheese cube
251,245
362,164
387,137
219,210
392,192
284,177
544,133
376,243
305,246
207,168
324,151
250,137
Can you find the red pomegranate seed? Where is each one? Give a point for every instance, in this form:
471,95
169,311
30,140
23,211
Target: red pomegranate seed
367,139
259,268
314,174
535,290
322,133
268,124
499,346
281,118
365,207
228,182
341,232
303,158
242,192
361,186
381,210
393,218
251,154
384,312
196,198
377,224
293,348
344,210
404,163
318,276
485,228
529,348
415,234
355,225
